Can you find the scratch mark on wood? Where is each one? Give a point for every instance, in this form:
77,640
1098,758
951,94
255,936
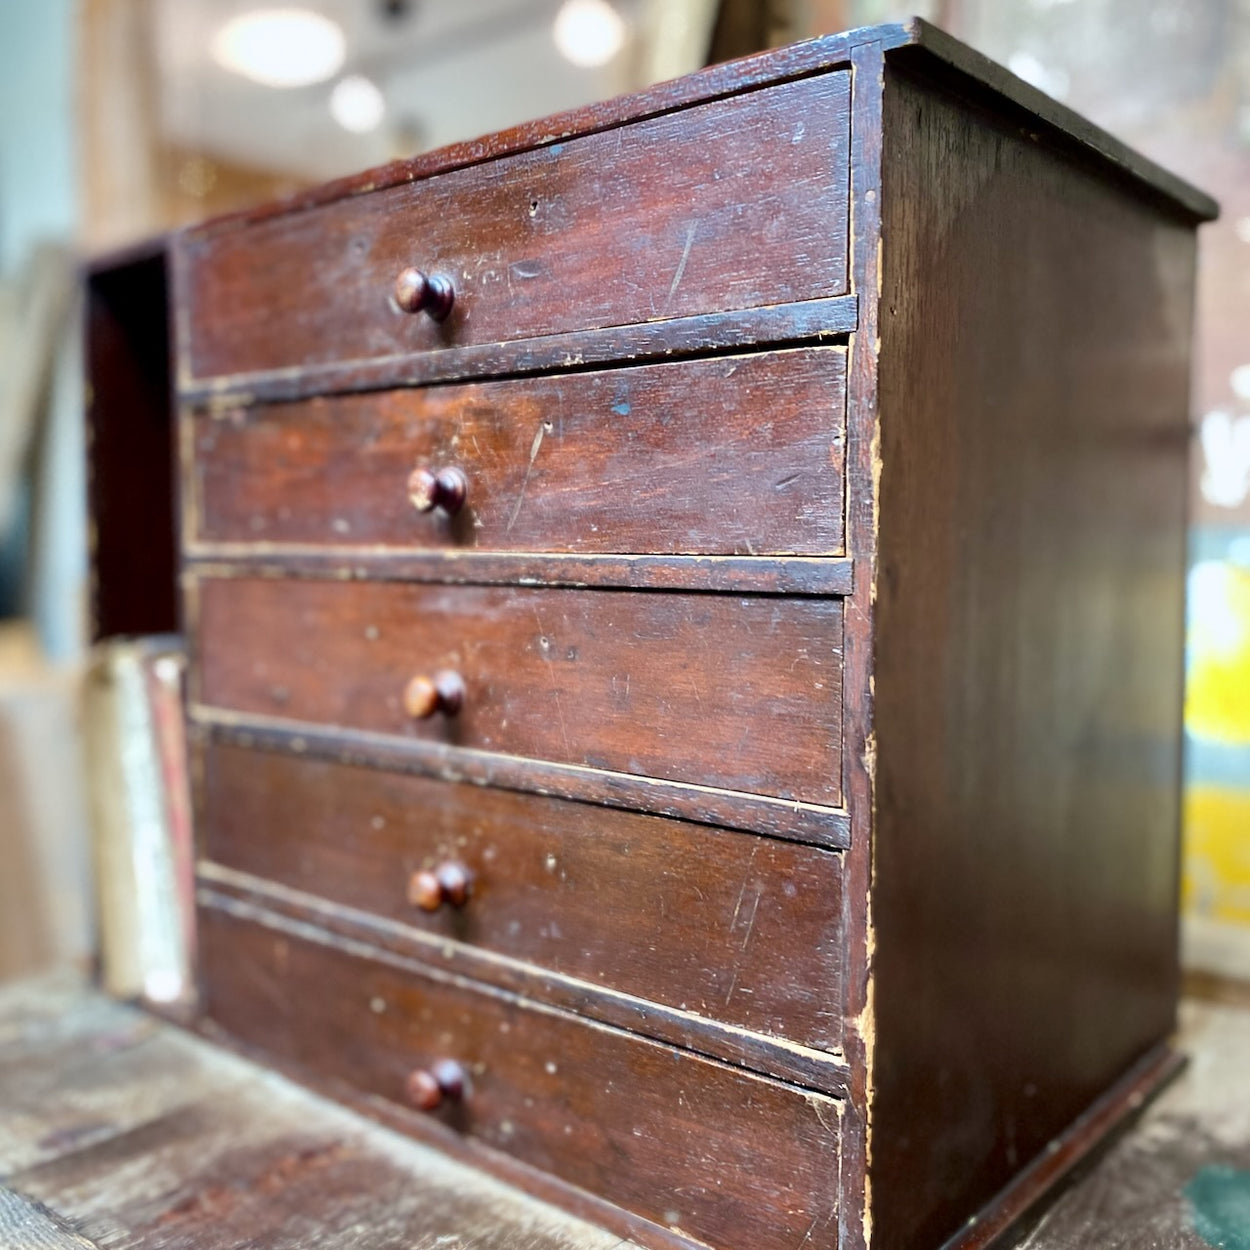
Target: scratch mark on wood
529,468
751,923
681,264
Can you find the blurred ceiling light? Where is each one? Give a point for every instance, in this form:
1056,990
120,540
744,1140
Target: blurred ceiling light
357,104
281,47
589,32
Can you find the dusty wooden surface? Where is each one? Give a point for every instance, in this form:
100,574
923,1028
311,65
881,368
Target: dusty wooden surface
119,1131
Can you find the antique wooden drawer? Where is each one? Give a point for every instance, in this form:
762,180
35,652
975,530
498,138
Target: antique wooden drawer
748,208
730,455
729,1158
740,693
723,925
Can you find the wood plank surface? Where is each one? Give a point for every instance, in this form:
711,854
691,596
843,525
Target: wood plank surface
738,455
653,1129
723,925
739,693
747,208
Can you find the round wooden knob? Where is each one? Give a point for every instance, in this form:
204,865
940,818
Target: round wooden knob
428,1088
446,489
417,292
449,883
423,696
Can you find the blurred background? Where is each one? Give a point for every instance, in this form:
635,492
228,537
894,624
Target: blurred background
120,119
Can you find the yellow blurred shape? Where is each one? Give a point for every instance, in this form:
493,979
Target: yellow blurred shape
1217,703
1217,853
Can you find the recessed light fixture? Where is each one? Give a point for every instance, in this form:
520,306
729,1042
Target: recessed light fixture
589,32
357,104
281,47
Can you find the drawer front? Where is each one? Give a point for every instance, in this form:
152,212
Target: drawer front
728,926
737,693
738,1161
735,455
738,203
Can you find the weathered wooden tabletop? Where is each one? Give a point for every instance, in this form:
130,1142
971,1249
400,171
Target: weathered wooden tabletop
119,1131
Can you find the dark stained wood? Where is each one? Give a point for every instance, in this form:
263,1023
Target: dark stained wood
820,320
722,925
789,575
572,236
739,455
799,822
643,1125
1027,733
132,466
743,694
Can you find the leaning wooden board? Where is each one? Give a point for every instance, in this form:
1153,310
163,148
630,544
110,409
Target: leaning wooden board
764,498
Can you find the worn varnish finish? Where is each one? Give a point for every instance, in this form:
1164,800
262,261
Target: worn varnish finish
641,1124
736,456
574,236
972,701
736,928
628,683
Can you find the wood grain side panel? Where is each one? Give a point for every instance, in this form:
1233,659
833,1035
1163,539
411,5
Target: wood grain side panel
738,455
732,927
650,1128
740,693
726,205
1034,388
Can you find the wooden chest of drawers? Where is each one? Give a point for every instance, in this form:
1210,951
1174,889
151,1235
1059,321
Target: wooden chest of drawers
685,604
